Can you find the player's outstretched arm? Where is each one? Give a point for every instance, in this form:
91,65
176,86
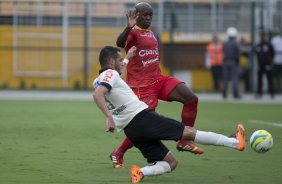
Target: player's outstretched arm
99,99
130,54
131,16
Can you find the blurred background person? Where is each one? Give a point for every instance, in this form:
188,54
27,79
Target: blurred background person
264,52
277,61
231,52
214,61
245,66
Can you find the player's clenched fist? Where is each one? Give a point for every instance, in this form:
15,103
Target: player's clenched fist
131,52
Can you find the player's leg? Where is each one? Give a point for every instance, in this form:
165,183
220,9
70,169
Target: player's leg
160,159
278,77
153,151
117,154
175,90
235,80
181,93
219,73
146,130
173,130
270,82
259,86
167,165
149,128
215,76
211,138
146,95
225,79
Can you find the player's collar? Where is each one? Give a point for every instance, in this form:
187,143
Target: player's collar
139,28
104,69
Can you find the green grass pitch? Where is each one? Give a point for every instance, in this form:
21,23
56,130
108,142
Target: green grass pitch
65,142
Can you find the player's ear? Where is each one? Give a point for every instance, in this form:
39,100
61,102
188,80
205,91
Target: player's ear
112,62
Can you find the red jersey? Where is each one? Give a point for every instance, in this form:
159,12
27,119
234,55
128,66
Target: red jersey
144,68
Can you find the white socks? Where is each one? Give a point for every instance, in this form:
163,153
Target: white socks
212,138
159,168
209,138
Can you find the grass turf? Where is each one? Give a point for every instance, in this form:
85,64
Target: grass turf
65,142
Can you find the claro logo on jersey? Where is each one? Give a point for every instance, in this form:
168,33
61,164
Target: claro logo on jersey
143,53
108,76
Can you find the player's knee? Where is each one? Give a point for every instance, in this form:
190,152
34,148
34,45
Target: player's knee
173,164
171,160
193,99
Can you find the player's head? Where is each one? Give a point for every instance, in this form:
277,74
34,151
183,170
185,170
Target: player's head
145,15
110,57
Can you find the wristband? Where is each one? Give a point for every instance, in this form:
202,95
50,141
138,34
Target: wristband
125,60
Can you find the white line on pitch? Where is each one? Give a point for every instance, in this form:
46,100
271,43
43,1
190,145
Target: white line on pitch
266,123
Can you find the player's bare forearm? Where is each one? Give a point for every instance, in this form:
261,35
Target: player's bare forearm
99,99
131,16
121,40
131,53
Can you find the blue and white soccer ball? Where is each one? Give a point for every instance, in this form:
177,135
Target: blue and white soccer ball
261,141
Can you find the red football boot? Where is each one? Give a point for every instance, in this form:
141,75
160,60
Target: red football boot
184,145
117,158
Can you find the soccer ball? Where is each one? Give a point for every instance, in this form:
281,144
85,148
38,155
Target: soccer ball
261,141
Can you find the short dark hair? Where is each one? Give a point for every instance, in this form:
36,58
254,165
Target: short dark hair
107,53
142,6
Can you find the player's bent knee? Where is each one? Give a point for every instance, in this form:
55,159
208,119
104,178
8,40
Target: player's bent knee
193,99
173,164
171,160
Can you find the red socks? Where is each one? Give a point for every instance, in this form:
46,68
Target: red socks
125,145
189,112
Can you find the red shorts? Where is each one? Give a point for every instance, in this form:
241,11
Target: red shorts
158,90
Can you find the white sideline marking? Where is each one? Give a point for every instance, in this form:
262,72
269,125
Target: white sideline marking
266,123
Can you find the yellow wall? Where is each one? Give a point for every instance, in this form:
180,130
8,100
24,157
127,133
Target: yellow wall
201,80
100,36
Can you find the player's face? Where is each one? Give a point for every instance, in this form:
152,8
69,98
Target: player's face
145,18
118,63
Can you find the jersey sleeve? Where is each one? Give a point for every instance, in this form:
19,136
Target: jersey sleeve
109,78
129,41
96,83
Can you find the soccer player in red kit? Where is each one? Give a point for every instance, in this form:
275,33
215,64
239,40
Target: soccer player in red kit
146,80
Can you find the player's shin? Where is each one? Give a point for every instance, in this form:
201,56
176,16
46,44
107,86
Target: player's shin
211,138
189,112
125,145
